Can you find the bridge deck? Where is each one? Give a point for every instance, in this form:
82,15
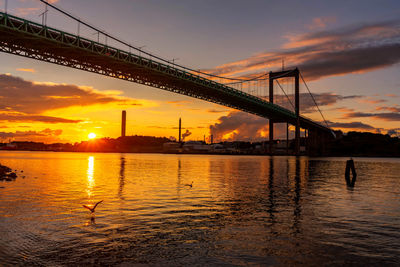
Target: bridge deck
29,39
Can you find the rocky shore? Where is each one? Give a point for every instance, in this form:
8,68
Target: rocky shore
6,174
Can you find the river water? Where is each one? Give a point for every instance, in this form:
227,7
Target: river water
241,210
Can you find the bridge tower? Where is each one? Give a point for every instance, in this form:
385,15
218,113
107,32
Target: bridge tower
283,74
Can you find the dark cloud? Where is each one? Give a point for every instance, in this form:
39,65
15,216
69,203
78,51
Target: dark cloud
25,101
46,135
353,49
34,118
391,109
186,134
239,125
307,104
215,111
389,116
351,125
18,95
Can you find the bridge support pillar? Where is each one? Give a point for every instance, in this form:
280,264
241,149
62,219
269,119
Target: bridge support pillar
271,136
297,111
271,122
287,138
306,140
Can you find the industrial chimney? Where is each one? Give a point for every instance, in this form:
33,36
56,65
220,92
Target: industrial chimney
180,128
123,124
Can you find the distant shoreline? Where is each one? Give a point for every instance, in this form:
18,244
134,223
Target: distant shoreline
216,154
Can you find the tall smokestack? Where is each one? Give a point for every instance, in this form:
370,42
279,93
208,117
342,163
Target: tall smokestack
123,124
180,128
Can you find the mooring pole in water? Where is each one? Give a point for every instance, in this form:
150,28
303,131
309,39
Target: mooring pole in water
350,167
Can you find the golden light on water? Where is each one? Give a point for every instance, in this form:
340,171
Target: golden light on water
90,178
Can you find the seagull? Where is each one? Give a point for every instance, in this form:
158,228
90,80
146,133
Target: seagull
92,208
189,184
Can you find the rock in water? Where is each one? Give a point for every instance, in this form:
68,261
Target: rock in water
6,173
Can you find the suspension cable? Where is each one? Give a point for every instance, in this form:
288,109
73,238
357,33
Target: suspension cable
136,48
315,102
258,78
249,80
285,94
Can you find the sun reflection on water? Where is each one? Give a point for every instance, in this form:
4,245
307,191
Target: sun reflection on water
90,177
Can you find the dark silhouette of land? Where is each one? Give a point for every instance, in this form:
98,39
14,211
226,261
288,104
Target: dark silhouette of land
365,144
351,144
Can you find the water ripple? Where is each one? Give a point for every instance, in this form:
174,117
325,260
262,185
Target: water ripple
241,210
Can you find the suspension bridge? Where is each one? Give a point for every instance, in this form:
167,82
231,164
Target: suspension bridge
39,41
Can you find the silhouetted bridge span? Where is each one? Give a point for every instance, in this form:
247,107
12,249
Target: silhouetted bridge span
29,39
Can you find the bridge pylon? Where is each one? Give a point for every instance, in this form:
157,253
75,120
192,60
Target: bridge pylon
284,74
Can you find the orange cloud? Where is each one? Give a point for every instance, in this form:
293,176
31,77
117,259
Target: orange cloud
391,109
28,97
24,11
372,101
321,22
238,125
26,70
43,102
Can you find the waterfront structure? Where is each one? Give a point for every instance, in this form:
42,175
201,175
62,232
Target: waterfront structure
123,124
180,130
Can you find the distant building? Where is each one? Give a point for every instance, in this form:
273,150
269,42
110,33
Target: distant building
172,147
196,147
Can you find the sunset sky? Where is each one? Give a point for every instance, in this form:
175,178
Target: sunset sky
348,52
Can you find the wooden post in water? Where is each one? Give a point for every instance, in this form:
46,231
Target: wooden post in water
350,167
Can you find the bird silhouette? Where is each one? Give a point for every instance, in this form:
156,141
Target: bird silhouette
92,208
189,184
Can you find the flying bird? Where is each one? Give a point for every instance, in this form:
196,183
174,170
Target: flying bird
92,208
189,184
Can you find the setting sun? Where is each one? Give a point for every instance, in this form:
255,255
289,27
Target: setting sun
92,136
